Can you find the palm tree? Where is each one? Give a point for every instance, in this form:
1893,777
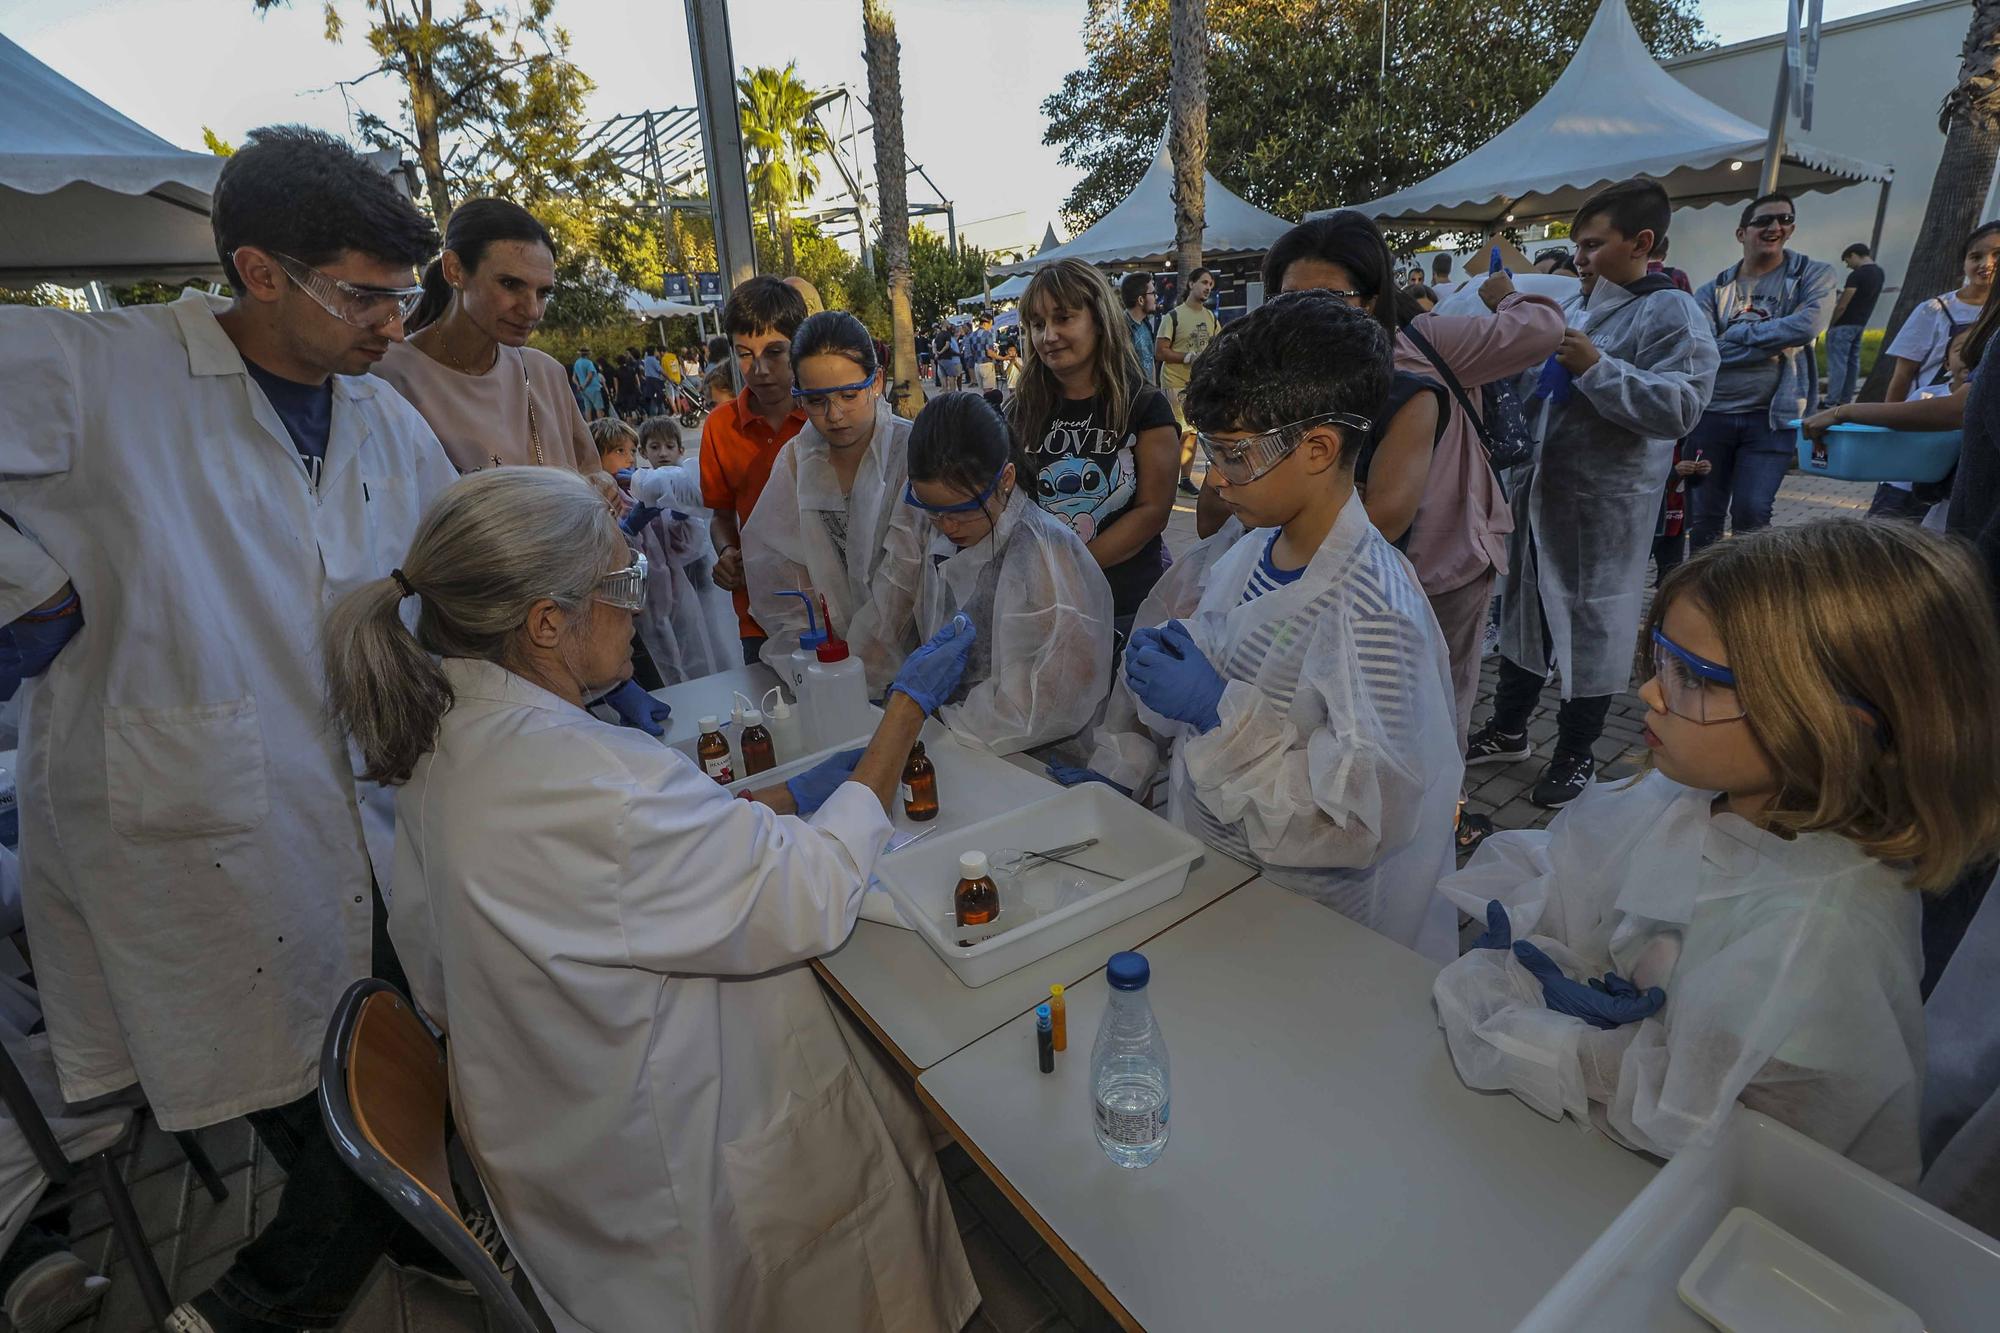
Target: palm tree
885,108
782,135
1970,121
1187,129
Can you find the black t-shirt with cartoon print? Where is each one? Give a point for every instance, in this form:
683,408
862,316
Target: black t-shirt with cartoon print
1088,479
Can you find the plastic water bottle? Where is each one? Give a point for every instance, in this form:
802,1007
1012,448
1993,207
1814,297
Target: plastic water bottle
1129,1087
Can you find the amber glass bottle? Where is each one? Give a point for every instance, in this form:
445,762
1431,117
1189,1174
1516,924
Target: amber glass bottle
976,900
920,801
758,752
713,752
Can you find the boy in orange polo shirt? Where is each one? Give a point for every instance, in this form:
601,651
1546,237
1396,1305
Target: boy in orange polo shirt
741,438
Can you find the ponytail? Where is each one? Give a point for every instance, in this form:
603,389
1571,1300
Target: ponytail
381,684
436,299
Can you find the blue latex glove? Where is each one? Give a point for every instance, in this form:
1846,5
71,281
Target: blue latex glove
27,646
1499,933
1071,776
636,708
811,788
1493,264
1554,383
1170,674
1612,1002
931,673
637,517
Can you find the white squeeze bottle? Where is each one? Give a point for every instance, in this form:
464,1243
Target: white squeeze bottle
792,667
786,725
836,695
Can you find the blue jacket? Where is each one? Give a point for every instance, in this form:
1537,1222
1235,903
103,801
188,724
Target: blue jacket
1788,331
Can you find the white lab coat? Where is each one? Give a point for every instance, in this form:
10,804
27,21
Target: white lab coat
1586,505
1335,768
1042,662
660,1101
196,849
1790,968
787,544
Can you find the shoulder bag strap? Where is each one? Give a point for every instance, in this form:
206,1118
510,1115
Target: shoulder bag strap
1423,345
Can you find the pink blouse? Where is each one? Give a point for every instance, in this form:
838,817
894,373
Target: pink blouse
483,420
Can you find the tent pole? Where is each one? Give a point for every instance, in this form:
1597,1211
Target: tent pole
1774,143
1881,212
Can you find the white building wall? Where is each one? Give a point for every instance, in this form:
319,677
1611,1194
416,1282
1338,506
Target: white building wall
1881,78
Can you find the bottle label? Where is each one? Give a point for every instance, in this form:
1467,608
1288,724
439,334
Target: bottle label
1134,1127
718,768
908,795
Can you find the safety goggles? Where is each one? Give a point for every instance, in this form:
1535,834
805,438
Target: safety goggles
1771,220
848,396
363,307
1704,692
974,505
625,588
1240,462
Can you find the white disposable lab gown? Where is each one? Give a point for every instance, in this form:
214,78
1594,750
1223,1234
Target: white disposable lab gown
1042,662
1335,767
1961,1126
688,621
662,1105
789,543
196,849
1586,505
1790,968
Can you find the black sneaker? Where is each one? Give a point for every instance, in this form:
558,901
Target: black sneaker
1488,746
1563,781
1189,488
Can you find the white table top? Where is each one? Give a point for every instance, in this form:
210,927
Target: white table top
711,696
905,991
1326,1167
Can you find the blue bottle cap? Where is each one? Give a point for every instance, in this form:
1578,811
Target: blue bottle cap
811,639
1128,971
1043,1018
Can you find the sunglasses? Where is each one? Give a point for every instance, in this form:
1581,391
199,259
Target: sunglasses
1770,220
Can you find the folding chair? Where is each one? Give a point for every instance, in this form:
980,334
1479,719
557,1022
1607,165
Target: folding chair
383,1091
66,1182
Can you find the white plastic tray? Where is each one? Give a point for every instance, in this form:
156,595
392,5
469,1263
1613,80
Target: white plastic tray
1139,861
1753,1277
1944,1270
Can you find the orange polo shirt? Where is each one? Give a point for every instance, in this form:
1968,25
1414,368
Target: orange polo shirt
737,450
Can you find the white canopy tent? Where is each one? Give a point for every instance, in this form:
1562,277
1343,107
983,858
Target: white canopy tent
1009,290
1141,229
86,193
1614,113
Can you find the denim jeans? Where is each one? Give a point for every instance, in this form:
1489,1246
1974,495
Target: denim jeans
1750,459
1843,364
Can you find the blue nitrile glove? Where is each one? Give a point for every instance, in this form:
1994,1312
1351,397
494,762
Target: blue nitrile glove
1499,933
29,644
1607,1004
811,788
1069,775
931,673
1493,264
1172,676
637,517
1553,384
636,708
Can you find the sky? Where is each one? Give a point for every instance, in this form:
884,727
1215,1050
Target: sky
974,71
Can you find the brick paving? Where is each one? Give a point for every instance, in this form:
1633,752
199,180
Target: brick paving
1026,1287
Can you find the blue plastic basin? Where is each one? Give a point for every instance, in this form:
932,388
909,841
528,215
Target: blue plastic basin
1875,453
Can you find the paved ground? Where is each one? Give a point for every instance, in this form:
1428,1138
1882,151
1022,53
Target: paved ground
1026,1287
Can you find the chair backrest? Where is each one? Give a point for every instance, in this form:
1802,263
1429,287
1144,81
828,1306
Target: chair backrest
384,1095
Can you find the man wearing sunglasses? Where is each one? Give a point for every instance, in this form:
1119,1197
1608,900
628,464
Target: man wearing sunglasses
1766,311
191,487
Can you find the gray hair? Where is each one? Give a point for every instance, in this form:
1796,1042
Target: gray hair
489,548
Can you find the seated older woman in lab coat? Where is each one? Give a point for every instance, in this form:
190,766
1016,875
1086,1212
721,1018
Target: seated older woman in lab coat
968,540
664,1107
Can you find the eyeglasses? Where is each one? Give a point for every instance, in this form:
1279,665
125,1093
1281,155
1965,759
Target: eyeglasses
975,504
1771,220
1704,692
849,396
625,588
363,307
1240,462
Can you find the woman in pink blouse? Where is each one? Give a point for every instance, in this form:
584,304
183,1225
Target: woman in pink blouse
467,368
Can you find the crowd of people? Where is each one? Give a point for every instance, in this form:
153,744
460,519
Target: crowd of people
335,607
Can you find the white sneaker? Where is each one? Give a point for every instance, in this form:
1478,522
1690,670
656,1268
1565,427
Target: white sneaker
54,1292
187,1319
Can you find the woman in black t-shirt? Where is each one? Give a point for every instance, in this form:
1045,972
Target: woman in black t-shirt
1097,445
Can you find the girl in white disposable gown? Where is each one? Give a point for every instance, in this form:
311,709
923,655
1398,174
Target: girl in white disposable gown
1296,685
822,522
1743,923
970,541
689,625
671,1121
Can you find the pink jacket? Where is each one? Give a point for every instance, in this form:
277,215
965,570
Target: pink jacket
1462,522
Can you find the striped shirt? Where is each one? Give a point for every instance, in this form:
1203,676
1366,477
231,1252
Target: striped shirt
1267,577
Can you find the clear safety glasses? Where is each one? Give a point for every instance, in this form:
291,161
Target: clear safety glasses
363,307
625,588
1704,692
962,508
1240,462
847,397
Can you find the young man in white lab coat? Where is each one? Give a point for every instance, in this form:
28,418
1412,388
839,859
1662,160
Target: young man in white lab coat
193,485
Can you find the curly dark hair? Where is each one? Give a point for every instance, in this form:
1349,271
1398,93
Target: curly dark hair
306,194
1303,354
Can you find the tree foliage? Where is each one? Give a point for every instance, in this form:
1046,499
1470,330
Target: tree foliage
1299,117
782,137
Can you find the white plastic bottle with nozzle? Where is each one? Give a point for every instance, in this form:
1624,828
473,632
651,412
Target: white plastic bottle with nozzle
836,698
786,725
793,665
738,712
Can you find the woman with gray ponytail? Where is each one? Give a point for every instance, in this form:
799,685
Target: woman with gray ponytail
658,1095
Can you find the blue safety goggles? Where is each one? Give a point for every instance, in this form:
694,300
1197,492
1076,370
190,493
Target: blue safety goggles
974,505
1704,692
815,400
